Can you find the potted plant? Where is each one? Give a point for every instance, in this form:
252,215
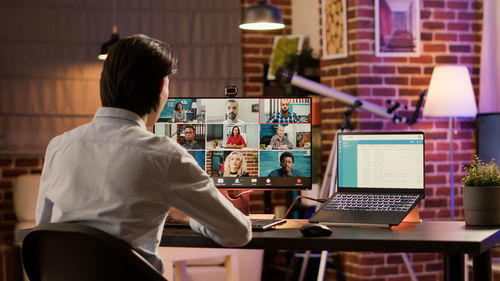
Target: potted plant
481,190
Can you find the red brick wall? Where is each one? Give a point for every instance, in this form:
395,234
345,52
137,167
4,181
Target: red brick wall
11,166
450,34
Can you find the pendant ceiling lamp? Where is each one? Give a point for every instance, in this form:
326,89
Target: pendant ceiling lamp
262,16
114,37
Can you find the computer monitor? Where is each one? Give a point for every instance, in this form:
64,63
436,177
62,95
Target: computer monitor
244,143
488,136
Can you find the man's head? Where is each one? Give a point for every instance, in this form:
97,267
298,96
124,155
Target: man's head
286,161
285,106
189,133
133,74
281,131
231,109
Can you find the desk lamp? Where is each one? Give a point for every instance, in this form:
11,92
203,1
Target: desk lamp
450,95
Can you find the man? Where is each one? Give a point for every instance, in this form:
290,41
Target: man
231,108
280,141
115,175
189,136
284,116
286,170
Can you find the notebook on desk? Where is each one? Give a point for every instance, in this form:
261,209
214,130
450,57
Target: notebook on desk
380,177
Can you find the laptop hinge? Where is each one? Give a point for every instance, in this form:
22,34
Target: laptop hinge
379,225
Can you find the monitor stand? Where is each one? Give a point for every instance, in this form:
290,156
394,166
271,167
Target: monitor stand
239,198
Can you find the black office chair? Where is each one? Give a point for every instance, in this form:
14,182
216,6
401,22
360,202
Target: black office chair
70,251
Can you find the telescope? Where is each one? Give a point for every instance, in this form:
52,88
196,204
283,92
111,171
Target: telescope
285,76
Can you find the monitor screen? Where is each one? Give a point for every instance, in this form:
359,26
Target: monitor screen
257,143
488,136
380,161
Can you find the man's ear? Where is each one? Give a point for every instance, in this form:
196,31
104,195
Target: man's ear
162,84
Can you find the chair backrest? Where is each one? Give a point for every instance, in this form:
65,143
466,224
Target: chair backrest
70,251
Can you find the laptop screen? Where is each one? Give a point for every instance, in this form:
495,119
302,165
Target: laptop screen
382,161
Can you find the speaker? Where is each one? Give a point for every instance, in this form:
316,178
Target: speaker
488,137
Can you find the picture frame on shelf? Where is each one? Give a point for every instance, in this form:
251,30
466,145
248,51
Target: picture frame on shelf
397,28
334,29
283,45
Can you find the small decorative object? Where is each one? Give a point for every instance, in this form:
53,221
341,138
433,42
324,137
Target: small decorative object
481,190
334,29
397,28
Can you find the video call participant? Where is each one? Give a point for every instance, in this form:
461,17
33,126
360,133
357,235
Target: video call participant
280,141
189,136
235,165
178,115
231,108
286,170
235,140
126,179
284,116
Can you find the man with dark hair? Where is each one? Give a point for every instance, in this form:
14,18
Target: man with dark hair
189,136
286,170
284,116
113,174
231,108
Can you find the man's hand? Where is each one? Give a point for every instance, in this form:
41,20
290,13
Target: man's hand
178,216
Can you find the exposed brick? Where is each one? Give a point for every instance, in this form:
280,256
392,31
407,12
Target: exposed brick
434,48
446,59
457,5
384,69
433,25
460,48
443,15
445,37
6,162
469,16
433,4
26,162
420,81
421,59
436,203
396,80
458,26
409,70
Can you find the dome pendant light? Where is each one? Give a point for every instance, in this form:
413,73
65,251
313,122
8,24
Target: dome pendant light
262,16
114,37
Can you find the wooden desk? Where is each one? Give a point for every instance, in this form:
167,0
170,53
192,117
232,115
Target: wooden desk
452,238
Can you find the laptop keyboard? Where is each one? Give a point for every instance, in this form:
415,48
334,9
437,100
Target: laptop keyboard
371,202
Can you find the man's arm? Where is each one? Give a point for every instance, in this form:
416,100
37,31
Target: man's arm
296,118
191,191
272,119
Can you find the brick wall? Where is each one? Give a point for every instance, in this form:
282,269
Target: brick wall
11,166
450,34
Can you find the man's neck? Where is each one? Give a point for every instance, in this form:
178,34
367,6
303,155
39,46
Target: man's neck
285,113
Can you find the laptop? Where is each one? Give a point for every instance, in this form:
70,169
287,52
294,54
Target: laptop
380,178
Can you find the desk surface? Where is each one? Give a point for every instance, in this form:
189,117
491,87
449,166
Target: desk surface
428,236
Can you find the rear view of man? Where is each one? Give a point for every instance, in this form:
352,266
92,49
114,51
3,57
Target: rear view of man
115,175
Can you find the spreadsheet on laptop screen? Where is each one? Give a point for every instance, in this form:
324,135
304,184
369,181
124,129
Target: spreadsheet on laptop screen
381,161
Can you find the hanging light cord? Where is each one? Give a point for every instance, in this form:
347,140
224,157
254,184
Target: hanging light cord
114,14
320,200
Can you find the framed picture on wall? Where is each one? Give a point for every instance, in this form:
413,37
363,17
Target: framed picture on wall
397,28
334,28
283,46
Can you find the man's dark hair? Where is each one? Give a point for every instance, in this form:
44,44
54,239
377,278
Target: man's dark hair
133,72
286,154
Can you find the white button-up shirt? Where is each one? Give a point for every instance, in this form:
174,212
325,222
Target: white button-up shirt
115,175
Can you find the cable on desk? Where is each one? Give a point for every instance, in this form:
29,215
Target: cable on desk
320,200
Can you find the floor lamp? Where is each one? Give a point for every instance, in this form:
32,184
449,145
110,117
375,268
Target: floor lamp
450,95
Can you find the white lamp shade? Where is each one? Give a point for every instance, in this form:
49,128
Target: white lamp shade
450,93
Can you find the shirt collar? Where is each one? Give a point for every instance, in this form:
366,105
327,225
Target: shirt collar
114,112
